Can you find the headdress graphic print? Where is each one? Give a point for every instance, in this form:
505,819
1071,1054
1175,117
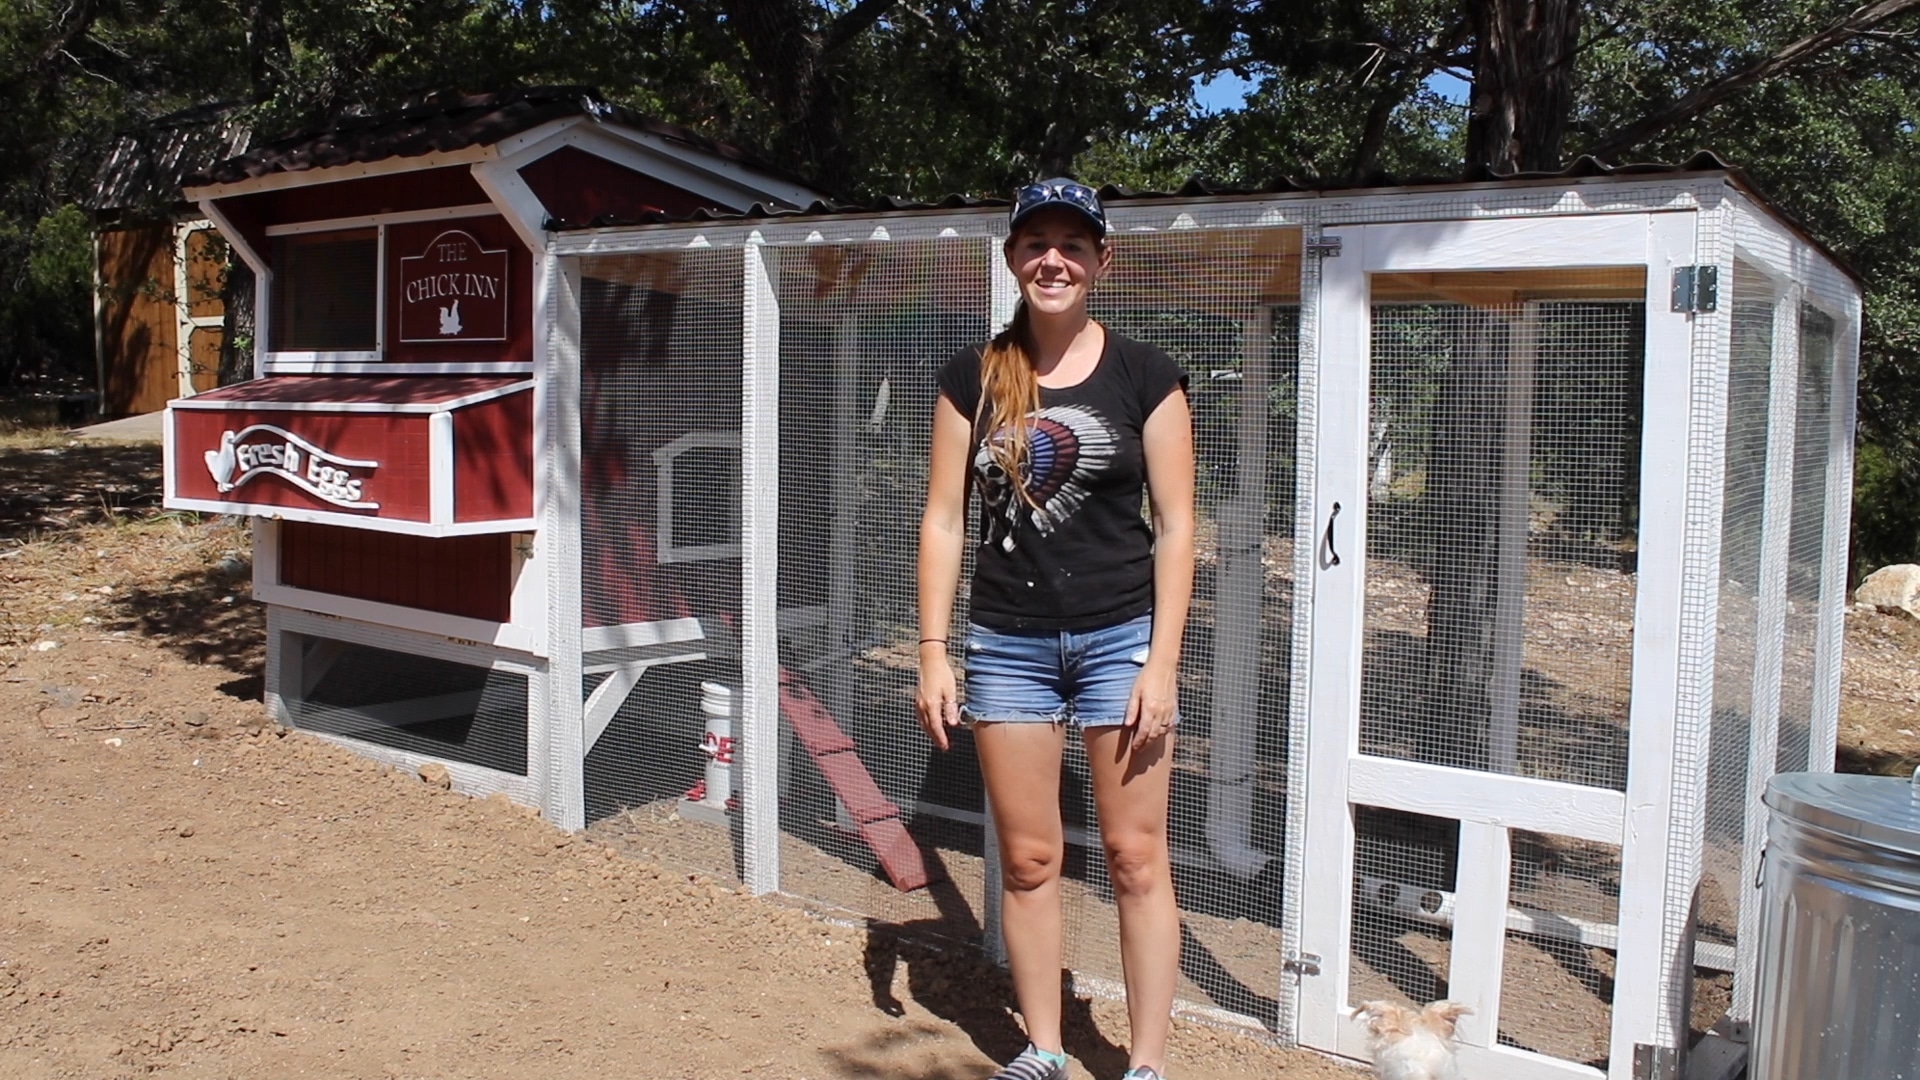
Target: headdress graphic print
1068,446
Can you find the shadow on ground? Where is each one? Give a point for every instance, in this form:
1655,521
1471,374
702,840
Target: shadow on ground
206,616
52,489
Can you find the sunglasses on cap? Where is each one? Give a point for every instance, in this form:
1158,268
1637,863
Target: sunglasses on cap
1059,192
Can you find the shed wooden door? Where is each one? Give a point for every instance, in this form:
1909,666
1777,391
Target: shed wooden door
160,312
139,351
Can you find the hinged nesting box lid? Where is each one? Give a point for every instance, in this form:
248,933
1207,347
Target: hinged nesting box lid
1879,810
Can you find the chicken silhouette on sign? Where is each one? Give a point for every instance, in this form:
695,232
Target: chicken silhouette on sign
450,319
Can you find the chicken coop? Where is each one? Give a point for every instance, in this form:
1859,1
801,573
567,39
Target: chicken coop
1521,569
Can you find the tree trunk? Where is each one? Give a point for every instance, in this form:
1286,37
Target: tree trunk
237,326
269,55
1522,83
790,67
1463,502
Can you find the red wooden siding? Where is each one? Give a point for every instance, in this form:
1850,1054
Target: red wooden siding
493,459
577,186
471,576
494,233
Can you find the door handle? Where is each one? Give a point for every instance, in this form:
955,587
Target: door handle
1331,557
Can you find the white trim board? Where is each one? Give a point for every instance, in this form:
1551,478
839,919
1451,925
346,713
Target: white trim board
1509,802
326,517
359,170
396,217
449,405
280,364
517,639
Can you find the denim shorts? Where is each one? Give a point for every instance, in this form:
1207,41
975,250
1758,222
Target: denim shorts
1082,677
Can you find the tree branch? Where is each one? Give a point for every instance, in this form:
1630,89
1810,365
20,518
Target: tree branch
1863,19
852,23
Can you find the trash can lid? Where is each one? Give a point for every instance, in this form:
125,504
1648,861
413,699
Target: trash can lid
1882,810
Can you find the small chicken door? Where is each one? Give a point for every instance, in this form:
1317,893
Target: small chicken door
1497,587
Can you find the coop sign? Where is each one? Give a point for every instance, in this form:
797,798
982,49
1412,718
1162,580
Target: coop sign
265,450
454,290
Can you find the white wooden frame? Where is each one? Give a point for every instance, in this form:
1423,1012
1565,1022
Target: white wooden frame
1486,804
665,459
185,322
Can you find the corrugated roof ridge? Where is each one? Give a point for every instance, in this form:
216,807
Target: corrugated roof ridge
1582,167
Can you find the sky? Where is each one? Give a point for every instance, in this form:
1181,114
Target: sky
1227,91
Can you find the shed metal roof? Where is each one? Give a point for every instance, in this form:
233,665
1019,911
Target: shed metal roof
146,168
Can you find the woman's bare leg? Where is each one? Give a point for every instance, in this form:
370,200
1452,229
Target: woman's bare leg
1021,764
1130,791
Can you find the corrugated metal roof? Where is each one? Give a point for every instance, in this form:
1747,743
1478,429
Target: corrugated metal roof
1581,168
446,123
146,168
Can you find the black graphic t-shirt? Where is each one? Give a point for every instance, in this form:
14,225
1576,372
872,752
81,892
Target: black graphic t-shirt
1081,556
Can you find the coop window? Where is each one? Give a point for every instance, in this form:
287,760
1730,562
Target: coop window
698,475
326,292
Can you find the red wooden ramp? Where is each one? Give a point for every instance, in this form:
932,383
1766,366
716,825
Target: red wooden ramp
874,816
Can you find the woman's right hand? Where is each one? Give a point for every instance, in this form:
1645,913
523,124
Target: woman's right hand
938,700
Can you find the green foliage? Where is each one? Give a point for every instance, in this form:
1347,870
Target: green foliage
922,98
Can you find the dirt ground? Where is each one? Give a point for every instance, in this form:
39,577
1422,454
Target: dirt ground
188,892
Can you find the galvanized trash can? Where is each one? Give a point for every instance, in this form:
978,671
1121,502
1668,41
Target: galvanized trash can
1839,988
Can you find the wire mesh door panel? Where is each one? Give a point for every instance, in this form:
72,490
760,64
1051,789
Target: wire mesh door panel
1498,623
1474,639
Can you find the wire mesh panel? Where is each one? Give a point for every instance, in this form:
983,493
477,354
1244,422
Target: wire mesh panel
1225,305
1502,521
1806,543
869,810
422,705
1743,523
1557,986
660,405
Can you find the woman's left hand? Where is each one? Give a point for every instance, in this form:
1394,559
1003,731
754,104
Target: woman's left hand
1156,697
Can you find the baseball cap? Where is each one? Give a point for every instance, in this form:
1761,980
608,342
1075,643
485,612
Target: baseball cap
1059,191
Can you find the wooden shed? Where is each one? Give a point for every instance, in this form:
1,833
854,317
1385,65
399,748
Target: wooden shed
159,266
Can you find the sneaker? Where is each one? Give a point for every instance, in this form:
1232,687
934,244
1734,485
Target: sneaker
1142,1072
1034,1064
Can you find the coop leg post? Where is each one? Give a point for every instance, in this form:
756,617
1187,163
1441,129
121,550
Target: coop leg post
993,902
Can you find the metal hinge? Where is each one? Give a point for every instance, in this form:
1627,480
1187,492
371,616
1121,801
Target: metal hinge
1326,247
1696,288
1302,964
1655,1062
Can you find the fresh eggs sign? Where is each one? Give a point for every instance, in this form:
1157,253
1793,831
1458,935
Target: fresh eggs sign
455,290
259,450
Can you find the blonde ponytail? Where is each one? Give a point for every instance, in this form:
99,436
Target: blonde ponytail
1009,393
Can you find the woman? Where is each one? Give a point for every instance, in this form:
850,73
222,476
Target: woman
1077,607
